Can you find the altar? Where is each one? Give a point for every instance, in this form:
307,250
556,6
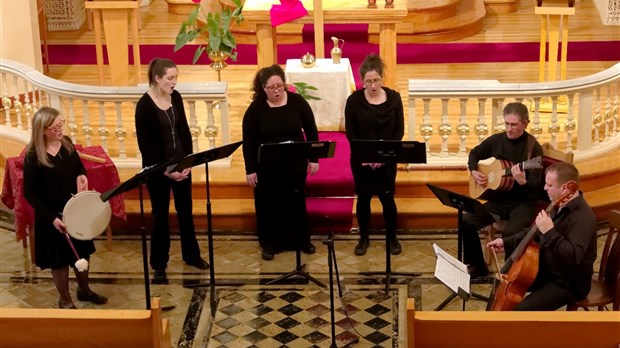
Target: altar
334,82
333,11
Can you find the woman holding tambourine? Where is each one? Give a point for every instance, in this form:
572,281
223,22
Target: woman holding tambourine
53,172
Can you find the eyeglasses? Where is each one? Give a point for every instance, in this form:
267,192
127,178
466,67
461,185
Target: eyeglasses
512,125
58,127
373,81
274,87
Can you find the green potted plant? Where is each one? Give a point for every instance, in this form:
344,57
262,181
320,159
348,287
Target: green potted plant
221,42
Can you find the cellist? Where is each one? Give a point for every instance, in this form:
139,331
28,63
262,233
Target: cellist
568,245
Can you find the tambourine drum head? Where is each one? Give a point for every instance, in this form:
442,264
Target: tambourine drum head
86,216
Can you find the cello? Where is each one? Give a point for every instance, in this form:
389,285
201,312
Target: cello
518,272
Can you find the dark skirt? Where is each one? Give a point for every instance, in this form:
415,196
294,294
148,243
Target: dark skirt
52,250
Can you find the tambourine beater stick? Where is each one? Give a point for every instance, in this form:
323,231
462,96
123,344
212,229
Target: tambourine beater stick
81,264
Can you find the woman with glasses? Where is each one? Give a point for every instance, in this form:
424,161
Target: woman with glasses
374,112
516,205
278,116
53,172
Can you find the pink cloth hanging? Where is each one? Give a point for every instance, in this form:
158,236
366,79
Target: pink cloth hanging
287,12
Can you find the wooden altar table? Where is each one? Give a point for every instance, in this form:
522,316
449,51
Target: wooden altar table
337,12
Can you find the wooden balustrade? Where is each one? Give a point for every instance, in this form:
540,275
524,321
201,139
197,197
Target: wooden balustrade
450,116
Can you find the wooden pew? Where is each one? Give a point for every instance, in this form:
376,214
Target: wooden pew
511,329
31,327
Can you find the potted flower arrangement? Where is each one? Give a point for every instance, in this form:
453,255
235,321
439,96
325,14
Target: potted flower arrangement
221,42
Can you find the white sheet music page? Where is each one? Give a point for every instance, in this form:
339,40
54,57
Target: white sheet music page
450,271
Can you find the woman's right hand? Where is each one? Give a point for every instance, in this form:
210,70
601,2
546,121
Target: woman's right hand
60,226
252,180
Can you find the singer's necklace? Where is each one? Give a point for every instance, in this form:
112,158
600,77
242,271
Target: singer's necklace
172,122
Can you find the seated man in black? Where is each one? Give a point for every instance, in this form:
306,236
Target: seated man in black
517,205
567,242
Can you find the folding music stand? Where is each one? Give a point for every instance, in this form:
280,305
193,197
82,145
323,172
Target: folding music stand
193,160
137,181
269,154
389,152
461,203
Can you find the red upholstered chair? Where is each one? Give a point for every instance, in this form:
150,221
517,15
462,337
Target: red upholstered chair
606,284
550,156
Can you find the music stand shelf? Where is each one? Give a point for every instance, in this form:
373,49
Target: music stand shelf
389,152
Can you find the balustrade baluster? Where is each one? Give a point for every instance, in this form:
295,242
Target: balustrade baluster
194,130
72,125
444,128
537,128
103,131
120,131
211,130
498,120
554,127
17,104
570,125
596,120
463,128
224,122
426,128
481,129
86,128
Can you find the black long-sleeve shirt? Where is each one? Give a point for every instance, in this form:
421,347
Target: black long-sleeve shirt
154,132
568,250
263,124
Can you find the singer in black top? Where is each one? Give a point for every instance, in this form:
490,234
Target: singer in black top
52,173
163,133
374,113
274,116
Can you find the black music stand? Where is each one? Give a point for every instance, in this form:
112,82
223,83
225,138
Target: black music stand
269,154
193,160
332,265
461,203
137,181
389,152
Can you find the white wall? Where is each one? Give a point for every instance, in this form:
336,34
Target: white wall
19,32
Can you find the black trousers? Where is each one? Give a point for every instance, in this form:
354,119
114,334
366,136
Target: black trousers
390,213
519,215
159,187
546,296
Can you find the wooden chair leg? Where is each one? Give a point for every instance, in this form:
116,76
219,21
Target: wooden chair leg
108,232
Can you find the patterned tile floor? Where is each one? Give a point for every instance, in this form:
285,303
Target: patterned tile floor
249,313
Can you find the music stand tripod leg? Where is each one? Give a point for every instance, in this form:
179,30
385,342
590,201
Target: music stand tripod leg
388,268
300,270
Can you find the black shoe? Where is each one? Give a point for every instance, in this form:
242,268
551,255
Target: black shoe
200,263
308,248
69,305
478,270
267,255
362,245
395,247
160,277
91,297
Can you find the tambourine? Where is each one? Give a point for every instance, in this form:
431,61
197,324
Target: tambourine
86,215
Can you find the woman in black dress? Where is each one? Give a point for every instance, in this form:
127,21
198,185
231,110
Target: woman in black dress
374,112
163,133
52,173
276,116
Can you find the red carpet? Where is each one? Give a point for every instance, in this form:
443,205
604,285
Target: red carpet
330,191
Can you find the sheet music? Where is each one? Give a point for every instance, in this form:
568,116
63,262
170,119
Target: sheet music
450,271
